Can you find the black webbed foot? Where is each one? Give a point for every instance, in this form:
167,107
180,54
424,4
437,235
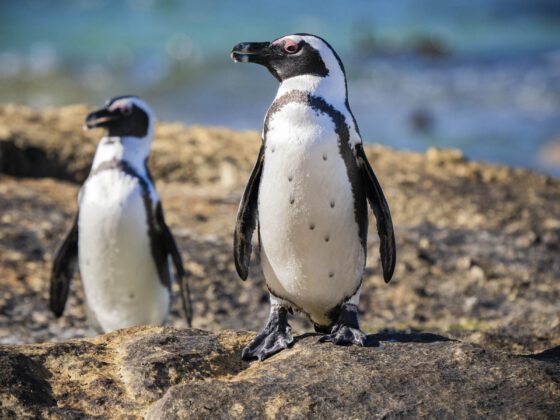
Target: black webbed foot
275,336
343,335
346,330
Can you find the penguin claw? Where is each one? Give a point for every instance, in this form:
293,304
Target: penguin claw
344,335
267,344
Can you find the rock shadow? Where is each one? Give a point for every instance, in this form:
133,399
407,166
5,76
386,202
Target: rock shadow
374,340
25,380
550,355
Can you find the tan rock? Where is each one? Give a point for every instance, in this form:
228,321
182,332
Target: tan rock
156,372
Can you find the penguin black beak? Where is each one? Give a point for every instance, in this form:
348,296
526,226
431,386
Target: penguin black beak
101,118
251,52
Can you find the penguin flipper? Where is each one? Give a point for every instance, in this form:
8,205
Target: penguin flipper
64,265
380,208
247,219
170,246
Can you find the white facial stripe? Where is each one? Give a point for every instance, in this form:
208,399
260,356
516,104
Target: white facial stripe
129,102
295,38
122,104
326,53
316,43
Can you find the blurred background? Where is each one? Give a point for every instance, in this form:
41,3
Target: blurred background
479,75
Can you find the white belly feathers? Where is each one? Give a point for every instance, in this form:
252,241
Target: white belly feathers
311,251
118,272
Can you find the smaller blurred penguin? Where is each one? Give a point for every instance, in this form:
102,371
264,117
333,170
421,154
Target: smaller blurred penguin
119,237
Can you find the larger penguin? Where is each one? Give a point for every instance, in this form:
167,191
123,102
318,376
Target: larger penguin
308,193
119,236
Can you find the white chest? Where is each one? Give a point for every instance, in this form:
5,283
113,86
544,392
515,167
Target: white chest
118,272
312,254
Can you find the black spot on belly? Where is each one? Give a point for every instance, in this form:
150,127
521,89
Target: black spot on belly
131,296
344,147
332,204
292,199
311,226
290,179
331,274
327,238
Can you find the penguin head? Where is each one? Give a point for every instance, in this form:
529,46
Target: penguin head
123,116
291,56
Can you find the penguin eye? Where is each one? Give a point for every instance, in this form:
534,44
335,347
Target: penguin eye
291,47
126,109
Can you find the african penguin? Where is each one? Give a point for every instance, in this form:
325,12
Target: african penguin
308,193
119,238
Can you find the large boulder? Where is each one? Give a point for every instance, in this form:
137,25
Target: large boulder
168,373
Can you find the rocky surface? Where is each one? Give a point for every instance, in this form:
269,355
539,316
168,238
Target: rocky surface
478,261
53,144
167,373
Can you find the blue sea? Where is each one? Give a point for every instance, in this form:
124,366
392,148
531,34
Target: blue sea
479,75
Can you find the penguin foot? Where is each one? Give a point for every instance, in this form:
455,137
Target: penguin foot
267,344
276,336
344,335
346,330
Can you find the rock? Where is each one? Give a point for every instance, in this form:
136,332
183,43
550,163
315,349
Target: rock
440,156
161,372
113,375
477,273
64,150
421,120
431,47
549,154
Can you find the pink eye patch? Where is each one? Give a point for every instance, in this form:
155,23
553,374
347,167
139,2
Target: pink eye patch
288,44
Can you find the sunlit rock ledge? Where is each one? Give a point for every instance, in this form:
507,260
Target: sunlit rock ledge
157,372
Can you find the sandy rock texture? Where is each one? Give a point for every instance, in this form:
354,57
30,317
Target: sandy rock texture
478,261
156,372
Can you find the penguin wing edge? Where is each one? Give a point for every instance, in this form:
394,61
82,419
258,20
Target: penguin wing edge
378,203
182,276
247,216
64,265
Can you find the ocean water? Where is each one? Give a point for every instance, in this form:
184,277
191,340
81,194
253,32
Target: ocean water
479,75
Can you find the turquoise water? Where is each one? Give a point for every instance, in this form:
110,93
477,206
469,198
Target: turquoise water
483,76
